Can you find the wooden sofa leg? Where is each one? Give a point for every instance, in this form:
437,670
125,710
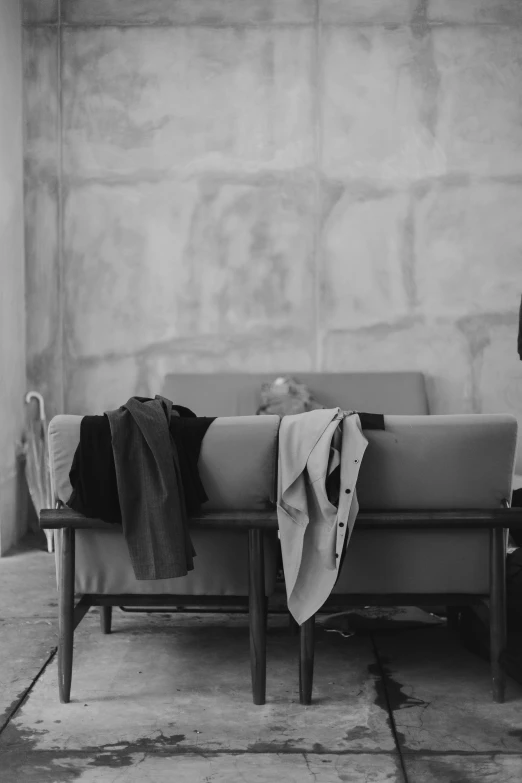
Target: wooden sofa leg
105,619
306,660
257,615
497,608
66,615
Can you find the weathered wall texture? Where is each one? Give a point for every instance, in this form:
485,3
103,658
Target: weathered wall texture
12,322
271,185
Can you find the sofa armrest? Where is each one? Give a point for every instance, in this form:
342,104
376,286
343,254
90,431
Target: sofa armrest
53,519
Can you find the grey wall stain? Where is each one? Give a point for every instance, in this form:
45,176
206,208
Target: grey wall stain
186,12
384,329
477,331
408,256
40,11
424,68
419,18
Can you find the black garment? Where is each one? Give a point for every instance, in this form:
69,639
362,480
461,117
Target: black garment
95,492
516,502
520,330
371,421
142,460
93,475
186,413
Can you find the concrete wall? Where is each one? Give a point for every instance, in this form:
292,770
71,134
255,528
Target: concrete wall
12,321
272,185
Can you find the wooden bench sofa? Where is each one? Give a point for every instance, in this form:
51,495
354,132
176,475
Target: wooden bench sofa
434,494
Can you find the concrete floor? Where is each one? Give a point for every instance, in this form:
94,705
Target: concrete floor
167,697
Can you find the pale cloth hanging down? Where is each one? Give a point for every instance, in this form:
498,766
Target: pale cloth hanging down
320,454
37,459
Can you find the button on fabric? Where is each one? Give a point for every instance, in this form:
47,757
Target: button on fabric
348,490
341,524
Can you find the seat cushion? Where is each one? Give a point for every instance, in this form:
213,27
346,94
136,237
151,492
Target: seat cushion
438,462
416,561
237,462
220,567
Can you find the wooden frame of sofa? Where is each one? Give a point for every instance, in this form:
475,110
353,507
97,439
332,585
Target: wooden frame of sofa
497,521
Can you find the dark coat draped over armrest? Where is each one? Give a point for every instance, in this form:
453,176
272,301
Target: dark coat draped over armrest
127,470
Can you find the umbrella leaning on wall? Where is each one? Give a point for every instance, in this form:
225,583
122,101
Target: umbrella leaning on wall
36,458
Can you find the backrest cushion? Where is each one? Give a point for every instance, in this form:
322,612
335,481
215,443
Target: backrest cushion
417,462
237,462
438,462
239,394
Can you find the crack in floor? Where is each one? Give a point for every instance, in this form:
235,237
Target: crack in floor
384,681
18,703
